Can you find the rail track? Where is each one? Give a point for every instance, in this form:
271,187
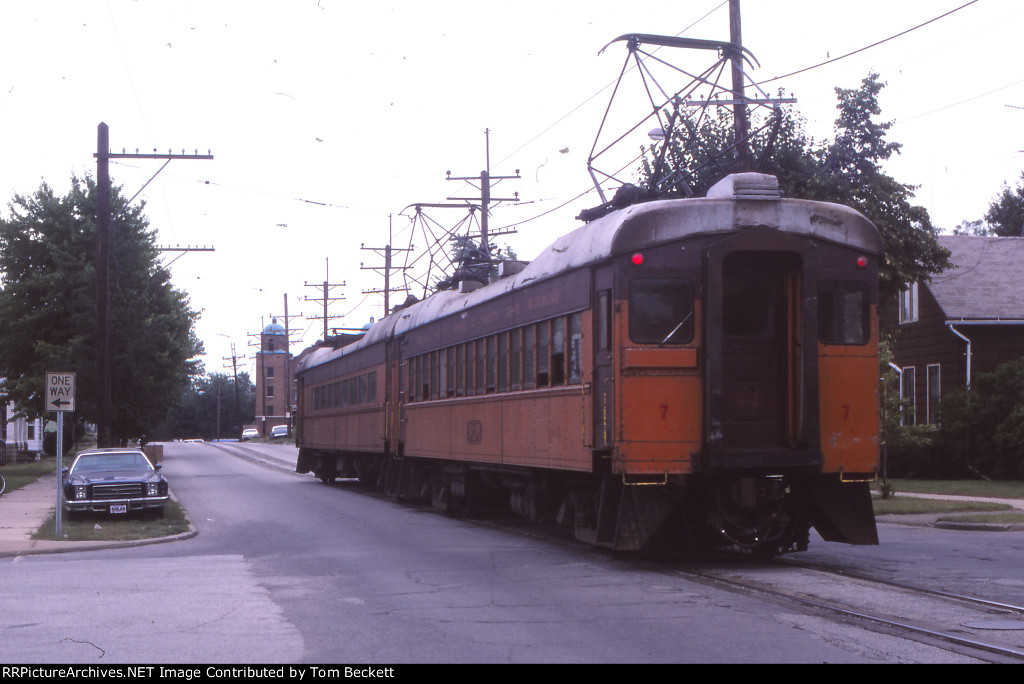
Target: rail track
984,630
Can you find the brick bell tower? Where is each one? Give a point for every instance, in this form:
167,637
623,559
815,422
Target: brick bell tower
274,384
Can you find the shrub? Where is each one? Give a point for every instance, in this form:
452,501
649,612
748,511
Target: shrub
983,427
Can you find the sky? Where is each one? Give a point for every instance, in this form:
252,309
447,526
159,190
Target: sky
328,120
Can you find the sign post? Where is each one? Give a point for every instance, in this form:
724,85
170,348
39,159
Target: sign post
60,397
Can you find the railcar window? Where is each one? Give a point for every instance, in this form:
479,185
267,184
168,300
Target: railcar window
448,371
543,353
460,370
529,357
434,376
604,320
503,362
575,349
843,312
515,350
481,362
660,311
751,306
470,368
491,361
558,351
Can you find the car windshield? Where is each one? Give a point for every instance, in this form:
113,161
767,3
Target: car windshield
125,460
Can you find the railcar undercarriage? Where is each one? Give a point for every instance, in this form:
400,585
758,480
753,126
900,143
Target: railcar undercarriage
760,513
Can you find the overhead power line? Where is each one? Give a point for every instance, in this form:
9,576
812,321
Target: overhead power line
868,47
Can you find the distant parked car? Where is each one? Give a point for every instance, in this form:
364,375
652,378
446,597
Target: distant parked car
250,433
279,431
114,481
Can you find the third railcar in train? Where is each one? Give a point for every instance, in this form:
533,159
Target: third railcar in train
683,374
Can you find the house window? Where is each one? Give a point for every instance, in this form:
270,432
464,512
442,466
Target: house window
270,390
909,395
270,372
908,304
934,379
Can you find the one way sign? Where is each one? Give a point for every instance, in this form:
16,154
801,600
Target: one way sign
60,391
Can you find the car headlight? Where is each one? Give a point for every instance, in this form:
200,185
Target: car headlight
152,489
80,491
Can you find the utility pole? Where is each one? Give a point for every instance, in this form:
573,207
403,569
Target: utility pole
104,418
326,299
387,250
234,373
739,111
485,179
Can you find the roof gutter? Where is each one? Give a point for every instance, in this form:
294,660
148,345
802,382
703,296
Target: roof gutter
987,321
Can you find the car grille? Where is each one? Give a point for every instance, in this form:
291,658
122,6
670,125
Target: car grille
117,491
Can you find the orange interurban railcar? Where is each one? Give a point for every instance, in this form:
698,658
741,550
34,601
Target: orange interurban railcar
685,374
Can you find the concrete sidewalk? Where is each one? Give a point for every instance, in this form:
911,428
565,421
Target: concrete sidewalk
24,510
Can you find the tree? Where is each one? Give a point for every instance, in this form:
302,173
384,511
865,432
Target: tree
1005,216
214,406
851,173
846,171
48,305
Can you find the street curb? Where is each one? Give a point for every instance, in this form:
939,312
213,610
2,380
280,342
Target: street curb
49,546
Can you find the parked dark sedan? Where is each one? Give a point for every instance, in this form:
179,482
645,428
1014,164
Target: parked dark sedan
114,481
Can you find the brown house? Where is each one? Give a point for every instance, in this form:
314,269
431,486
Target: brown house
967,320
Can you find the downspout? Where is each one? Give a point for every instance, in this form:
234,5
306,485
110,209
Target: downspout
965,339
968,384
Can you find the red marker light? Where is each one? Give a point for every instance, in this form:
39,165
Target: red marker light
638,259
862,261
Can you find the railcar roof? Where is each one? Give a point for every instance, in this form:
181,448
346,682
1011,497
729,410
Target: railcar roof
739,201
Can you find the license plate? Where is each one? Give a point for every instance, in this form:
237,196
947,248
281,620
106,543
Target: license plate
118,508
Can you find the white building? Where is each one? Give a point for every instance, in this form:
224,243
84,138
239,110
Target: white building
17,434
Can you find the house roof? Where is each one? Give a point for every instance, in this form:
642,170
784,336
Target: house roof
986,282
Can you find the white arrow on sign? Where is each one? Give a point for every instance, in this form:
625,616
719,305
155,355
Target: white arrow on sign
60,391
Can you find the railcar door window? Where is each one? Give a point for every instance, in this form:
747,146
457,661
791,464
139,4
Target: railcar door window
843,312
661,311
575,349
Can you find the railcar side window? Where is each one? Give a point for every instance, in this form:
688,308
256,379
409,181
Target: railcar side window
661,311
558,351
843,312
503,362
575,349
515,350
543,353
529,356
